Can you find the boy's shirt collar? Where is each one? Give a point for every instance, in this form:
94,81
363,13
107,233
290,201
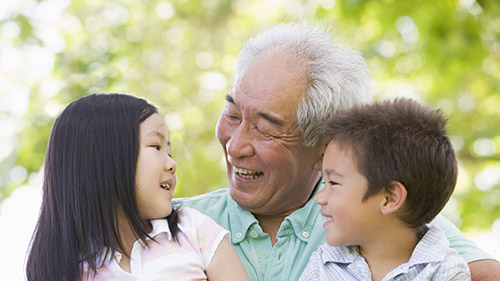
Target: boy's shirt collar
431,248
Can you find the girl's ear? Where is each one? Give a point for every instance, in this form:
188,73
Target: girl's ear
394,197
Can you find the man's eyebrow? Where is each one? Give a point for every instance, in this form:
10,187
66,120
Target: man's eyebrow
266,116
229,99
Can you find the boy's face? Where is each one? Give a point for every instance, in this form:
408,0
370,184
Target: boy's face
350,220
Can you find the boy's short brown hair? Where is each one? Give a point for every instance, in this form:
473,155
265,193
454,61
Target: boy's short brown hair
400,141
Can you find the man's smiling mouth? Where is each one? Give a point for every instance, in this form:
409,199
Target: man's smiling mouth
247,173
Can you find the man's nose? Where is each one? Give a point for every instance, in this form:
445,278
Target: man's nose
240,143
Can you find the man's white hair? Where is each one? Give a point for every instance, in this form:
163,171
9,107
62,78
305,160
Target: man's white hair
337,75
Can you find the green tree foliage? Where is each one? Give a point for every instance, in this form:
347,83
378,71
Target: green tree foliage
180,56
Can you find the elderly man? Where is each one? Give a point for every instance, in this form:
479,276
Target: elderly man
289,79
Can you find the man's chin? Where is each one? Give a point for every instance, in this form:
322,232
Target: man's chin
242,197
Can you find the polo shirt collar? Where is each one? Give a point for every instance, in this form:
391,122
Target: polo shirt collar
240,220
302,220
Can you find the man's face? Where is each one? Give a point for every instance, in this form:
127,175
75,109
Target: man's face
270,171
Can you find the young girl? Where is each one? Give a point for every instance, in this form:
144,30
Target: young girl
106,212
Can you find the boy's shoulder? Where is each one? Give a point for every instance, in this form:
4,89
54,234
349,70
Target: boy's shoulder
440,262
432,258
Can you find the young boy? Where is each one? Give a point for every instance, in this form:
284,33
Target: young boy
389,169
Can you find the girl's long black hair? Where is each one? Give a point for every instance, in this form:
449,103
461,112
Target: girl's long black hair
89,176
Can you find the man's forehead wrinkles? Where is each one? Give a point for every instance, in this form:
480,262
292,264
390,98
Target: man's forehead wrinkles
265,115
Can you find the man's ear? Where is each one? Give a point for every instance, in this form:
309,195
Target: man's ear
394,197
318,164
321,144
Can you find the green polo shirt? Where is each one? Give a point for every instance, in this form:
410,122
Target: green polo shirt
300,234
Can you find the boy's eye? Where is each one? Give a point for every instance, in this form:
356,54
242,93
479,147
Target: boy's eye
332,183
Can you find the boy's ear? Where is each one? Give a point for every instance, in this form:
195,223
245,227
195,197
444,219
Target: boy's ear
394,197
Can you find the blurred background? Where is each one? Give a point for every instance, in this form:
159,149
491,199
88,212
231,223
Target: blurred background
180,56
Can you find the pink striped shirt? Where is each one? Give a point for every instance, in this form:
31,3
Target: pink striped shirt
187,259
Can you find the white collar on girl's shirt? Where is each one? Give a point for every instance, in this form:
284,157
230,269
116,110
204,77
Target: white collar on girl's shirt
159,226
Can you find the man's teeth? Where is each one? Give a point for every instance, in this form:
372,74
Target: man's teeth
247,173
165,186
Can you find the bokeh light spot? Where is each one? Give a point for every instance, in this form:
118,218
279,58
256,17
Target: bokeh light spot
204,60
18,174
165,10
484,147
488,178
213,80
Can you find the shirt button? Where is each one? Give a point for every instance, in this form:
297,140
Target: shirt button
305,234
262,256
253,234
239,235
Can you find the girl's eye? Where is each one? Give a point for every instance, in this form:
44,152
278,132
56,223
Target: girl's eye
157,147
332,183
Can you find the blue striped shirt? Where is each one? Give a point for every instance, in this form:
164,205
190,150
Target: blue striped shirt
432,259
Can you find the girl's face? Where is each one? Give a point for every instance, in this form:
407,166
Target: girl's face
155,174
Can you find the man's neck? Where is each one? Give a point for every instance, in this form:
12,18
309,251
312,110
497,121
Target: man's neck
271,225
388,250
